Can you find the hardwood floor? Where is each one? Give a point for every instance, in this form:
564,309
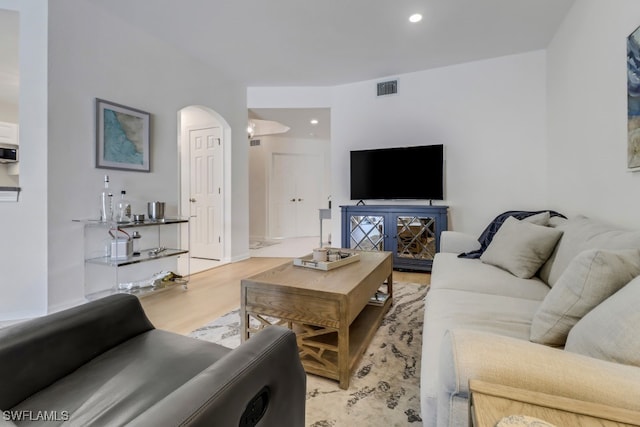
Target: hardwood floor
215,292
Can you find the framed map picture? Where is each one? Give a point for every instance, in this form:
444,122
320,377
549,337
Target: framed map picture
122,137
633,100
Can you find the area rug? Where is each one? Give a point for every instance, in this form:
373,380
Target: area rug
385,388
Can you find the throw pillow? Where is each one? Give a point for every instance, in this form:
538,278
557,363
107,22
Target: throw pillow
580,234
521,247
610,331
591,277
540,219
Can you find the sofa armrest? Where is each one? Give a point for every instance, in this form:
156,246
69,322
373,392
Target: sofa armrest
37,352
468,354
457,242
220,394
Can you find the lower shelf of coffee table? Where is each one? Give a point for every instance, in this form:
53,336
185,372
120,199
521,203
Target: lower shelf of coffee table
318,345
361,332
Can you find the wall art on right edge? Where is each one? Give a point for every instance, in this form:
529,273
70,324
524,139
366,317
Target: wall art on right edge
633,100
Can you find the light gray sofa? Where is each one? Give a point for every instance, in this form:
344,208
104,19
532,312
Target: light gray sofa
478,324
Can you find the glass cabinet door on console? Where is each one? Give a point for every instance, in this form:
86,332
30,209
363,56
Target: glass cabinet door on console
416,237
367,232
411,232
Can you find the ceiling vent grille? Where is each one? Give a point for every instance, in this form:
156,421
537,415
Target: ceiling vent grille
388,88
254,142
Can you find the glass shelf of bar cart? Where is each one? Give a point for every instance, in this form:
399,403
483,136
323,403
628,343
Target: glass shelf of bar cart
139,258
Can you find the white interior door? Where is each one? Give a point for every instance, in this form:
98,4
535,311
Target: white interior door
309,189
282,216
295,192
206,192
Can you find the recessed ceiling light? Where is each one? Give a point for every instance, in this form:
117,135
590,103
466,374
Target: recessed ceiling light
416,17
314,121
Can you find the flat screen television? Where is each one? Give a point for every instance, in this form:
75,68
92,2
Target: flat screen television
398,173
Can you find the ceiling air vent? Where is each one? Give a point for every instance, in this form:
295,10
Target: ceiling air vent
388,88
254,143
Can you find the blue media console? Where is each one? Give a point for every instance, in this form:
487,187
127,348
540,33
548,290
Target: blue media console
410,232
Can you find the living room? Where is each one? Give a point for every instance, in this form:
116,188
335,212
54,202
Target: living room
548,138
544,128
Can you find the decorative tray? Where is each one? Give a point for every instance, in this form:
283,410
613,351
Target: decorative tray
345,257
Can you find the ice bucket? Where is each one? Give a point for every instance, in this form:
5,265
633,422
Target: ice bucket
155,210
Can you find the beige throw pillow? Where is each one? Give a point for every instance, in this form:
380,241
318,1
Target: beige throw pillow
610,331
591,277
521,247
540,219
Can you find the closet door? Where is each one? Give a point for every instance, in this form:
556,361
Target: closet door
294,194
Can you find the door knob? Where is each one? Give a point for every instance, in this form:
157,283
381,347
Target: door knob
192,200
292,200
299,200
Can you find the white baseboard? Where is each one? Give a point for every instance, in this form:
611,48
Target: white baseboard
70,304
238,258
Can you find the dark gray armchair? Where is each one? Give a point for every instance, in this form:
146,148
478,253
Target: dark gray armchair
104,364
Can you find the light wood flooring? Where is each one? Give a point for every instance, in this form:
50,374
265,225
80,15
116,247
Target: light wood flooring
215,292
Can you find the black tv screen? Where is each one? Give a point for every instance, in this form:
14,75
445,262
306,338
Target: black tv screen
398,173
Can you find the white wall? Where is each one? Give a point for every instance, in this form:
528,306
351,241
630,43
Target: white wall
490,115
23,247
94,54
587,113
258,200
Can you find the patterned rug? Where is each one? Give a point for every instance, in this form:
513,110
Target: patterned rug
385,388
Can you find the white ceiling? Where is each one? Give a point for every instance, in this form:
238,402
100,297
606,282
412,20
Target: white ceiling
330,42
333,42
299,120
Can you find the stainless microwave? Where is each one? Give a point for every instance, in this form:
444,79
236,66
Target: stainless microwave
8,153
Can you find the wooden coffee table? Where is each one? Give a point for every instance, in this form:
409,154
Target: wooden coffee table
330,311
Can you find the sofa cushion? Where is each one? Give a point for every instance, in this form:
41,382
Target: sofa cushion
610,331
451,309
463,274
490,231
521,247
590,278
541,218
120,384
580,234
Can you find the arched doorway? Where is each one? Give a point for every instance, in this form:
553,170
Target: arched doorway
202,139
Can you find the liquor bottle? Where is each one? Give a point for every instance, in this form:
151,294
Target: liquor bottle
123,209
106,202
